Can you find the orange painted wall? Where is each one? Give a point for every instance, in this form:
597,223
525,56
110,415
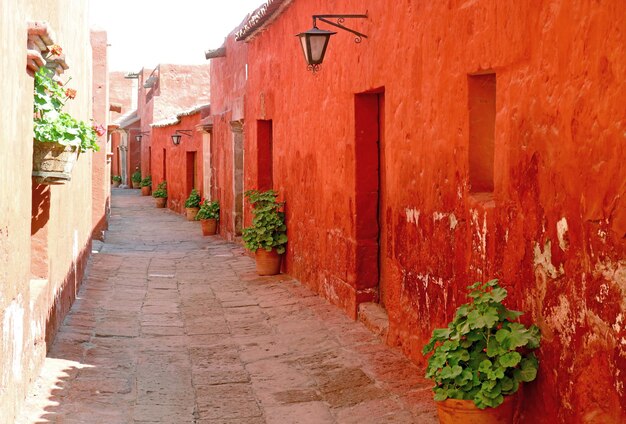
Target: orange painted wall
228,84
178,87
552,229
101,170
176,170
45,231
120,92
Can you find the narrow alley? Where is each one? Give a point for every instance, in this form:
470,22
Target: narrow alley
173,327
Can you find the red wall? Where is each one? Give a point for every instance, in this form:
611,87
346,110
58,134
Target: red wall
120,91
45,230
178,87
101,172
552,229
228,83
177,169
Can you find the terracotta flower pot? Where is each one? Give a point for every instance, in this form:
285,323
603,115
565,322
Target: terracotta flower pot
136,184
454,411
209,226
161,202
116,184
267,263
191,213
146,190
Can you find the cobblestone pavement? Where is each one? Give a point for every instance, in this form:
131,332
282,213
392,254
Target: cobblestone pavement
173,327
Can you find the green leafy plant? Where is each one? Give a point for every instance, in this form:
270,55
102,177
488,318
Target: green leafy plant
268,228
51,124
116,178
146,182
484,354
161,190
193,201
136,177
209,209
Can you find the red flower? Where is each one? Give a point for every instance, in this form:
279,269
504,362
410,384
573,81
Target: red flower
70,93
56,50
99,129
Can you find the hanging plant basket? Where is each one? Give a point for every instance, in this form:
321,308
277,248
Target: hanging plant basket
53,162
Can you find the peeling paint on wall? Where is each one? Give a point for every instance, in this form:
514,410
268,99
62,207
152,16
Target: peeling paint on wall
453,221
561,230
412,216
479,243
544,259
438,216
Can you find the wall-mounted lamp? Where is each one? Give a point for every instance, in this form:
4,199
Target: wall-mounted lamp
178,134
315,40
139,136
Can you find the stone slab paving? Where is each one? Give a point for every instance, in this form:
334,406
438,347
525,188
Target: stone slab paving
173,327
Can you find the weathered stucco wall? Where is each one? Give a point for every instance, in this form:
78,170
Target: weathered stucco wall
553,227
32,305
228,84
177,88
182,173
101,171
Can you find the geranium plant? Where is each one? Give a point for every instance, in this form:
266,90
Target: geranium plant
146,182
209,209
116,178
484,354
136,177
161,190
268,228
53,125
193,201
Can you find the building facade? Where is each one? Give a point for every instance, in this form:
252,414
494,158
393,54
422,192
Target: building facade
460,141
45,230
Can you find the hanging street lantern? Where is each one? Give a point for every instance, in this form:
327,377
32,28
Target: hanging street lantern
315,41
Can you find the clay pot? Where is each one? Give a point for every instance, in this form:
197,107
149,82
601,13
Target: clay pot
53,162
191,213
267,263
161,202
146,190
454,411
136,184
116,184
209,226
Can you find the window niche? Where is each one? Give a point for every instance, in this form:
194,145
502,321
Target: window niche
482,123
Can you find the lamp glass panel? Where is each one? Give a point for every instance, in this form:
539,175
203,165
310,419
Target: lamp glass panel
305,49
318,46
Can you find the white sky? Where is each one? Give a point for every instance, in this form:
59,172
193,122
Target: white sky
144,33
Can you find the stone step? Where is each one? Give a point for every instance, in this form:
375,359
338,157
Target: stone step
375,318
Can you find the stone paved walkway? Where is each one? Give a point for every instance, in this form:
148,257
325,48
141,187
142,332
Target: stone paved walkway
173,327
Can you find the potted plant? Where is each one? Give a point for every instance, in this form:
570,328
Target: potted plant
160,194
267,236
208,215
480,360
117,180
58,137
136,178
192,204
146,186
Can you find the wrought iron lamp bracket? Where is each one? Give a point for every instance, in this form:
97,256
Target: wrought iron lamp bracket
338,23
